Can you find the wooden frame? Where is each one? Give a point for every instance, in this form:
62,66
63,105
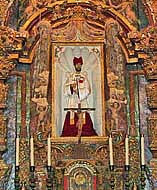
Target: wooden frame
101,137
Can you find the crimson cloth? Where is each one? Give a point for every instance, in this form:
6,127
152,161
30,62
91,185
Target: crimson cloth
72,130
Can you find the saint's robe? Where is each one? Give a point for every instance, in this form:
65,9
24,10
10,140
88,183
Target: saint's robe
77,89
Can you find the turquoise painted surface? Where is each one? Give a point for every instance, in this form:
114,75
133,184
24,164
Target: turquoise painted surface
13,114
9,155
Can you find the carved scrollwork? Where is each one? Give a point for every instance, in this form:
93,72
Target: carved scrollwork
145,45
153,165
4,5
151,90
152,126
146,40
3,94
134,158
101,154
6,66
4,170
9,40
2,125
150,67
2,132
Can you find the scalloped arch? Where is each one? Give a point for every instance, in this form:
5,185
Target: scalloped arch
110,11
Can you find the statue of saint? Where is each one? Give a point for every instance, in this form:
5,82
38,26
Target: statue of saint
77,89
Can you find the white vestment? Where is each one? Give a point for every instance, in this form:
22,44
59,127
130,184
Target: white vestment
80,93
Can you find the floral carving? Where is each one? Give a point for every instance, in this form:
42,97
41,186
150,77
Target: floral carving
4,4
2,132
9,40
2,126
150,67
152,126
146,40
3,93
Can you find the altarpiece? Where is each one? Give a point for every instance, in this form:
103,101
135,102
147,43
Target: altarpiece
70,65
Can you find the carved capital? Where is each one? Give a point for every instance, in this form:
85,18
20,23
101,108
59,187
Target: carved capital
145,45
145,40
6,66
151,91
9,40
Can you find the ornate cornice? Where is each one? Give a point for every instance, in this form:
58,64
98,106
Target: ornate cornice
9,40
62,9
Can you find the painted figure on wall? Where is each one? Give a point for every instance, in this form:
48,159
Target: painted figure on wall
78,72
80,182
77,89
81,179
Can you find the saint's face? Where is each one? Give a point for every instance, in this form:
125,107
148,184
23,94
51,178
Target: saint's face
78,67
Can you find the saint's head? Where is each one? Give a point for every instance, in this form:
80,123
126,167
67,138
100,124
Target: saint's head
78,62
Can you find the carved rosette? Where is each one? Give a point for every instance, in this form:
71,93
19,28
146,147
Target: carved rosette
151,90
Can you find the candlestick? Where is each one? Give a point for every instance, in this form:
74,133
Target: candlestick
111,150
49,151
49,181
17,151
142,178
32,179
17,178
127,151
32,151
142,151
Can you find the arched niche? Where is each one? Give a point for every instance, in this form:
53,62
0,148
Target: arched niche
76,25
80,174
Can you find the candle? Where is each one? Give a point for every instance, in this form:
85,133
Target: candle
111,150
127,151
32,151
17,151
142,151
49,151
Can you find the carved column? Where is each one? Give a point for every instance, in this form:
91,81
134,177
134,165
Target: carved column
145,47
152,124
150,68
